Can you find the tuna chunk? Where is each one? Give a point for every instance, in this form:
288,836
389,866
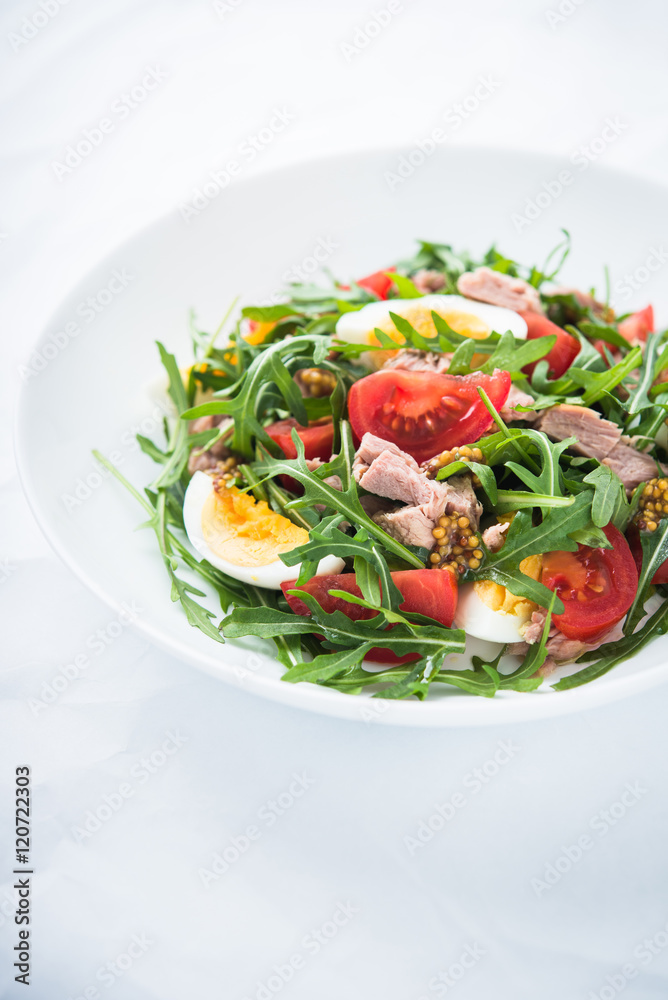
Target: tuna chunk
494,537
383,469
516,397
427,281
596,436
205,461
413,524
409,525
499,289
390,476
558,646
632,467
370,448
412,360
601,439
334,481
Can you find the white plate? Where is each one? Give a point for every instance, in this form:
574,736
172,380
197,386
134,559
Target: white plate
91,391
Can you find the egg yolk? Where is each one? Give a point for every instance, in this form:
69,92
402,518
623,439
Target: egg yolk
258,332
466,324
497,598
245,531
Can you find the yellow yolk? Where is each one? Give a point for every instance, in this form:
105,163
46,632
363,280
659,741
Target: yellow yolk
258,332
421,320
497,598
245,531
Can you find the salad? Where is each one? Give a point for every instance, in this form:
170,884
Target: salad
375,476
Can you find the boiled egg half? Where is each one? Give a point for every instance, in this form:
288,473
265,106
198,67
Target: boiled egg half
465,316
489,611
242,536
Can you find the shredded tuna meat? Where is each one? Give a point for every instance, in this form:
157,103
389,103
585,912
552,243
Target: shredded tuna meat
498,289
334,481
211,459
412,360
596,436
494,537
633,467
601,439
560,648
516,397
409,525
415,523
427,281
370,448
383,469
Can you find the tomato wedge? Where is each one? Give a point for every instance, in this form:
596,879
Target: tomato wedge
563,353
317,437
633,538
597,586
377,283
431,592
636,326
424,413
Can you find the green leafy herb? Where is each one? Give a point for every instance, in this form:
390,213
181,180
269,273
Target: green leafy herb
654,553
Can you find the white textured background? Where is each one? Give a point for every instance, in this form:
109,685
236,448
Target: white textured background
410,916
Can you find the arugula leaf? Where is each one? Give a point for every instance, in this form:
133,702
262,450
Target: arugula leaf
344,501
638,394
537,278
524,539
603,331
268,314
612,653
609,504
510,500
177,446
596,384
434,642
405,286
654,553
244,401
524,679
483,472
182,591
513,355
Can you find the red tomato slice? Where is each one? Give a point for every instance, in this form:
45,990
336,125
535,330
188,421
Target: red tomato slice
636,326
563,353
633,538
317,437
597,586
377,283
430,592
424,413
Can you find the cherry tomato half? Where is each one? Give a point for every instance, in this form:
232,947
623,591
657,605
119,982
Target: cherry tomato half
597,586
633,538
636,326
431,592
563,353
377,283
424,413
317,437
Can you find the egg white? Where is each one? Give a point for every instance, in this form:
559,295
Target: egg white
271,576
357,327
478,619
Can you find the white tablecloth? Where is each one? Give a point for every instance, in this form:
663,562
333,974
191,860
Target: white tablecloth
189,839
